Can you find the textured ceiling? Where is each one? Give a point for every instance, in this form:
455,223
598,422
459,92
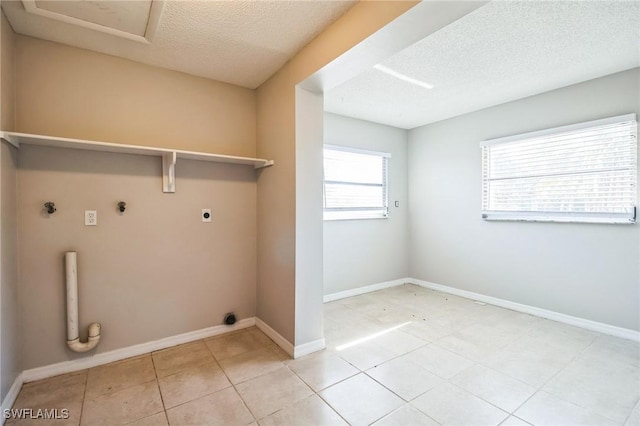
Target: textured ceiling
503,51
128,16
239,42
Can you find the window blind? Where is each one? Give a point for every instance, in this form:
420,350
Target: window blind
355,183
580,173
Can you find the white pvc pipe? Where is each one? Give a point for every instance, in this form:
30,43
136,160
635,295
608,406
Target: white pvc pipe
73,339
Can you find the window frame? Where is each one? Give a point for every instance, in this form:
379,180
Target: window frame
554,216
350,213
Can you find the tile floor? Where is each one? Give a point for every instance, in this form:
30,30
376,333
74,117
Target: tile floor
401,356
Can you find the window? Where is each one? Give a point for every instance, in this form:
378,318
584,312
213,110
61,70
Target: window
355,183
585,172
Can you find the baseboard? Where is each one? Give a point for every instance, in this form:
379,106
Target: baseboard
11,396
130,351
362,290
600,327
308,348
293,351
276,337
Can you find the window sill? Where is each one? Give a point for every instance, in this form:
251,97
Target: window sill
335,219
611,219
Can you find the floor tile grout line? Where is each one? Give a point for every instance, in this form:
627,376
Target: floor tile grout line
537,388
331,406
84,396
448,379
631,412
233,385
244,403
120,389
155,372
288,405
482,399
540,389
405,402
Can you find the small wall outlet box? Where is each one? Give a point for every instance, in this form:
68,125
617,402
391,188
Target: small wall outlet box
90,218
206,215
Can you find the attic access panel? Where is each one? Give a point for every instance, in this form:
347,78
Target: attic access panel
132,19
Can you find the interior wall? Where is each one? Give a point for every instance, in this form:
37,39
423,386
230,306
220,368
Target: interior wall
309,259
364,252
9,321
7,63
70,92
10,363
152,272
589,271
157,270
279,295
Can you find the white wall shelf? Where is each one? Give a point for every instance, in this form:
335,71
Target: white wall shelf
168,156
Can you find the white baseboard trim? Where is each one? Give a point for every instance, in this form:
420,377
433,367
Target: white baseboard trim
600,327
130,351
11,396
275,336
293,351
362,290
308,348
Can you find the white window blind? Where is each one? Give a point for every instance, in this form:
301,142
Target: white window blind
355,183
585,172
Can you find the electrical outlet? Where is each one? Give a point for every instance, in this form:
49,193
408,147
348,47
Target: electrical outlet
90,218
206,215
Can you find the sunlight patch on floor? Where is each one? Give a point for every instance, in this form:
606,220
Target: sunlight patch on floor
370,337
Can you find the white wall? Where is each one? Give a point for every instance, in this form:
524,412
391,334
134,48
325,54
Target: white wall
364,252
585,270
309,313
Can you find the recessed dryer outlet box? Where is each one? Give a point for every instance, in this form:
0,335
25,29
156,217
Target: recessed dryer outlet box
206,215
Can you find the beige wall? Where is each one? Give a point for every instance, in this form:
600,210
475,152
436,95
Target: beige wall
7,101
9,316
152,272
276,139
157,270
10,365
71,92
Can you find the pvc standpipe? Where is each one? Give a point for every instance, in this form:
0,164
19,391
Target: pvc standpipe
73,340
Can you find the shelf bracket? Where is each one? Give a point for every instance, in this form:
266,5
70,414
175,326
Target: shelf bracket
169,172
266,163
10,139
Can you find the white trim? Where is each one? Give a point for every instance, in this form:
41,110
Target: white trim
357,150
18,139
561,129
130,351
292,351
308,348
275,336
366,289
11,396
600,327
30,6
562,217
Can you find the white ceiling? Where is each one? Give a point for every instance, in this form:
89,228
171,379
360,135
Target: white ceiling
239,42
503,51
